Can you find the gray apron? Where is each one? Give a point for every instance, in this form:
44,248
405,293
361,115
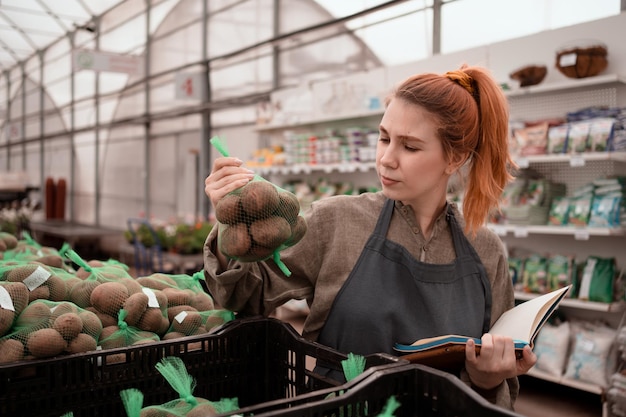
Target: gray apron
392,297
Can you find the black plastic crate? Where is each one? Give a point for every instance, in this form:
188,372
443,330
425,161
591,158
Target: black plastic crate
255,360
421,391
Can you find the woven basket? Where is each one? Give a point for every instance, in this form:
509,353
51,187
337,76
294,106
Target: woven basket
582,62
529,75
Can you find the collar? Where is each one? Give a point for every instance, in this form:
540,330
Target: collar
440,223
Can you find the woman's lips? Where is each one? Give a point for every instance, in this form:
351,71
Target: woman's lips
386,181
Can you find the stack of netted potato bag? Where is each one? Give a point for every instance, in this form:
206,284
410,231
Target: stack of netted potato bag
49,308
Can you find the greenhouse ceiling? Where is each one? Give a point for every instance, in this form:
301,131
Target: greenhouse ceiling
29,26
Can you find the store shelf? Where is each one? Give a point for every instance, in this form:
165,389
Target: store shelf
578,233
596,81
574,160
583,386
331,118
616,307
345,167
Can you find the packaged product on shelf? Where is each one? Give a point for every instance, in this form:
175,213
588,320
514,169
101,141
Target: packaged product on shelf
597,280
557,139
592,358
552,347
605,210
578,137
579,210
559,270
535,277
601,134
532,140
559,211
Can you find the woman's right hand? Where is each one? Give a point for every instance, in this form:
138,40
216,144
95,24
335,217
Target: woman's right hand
226,175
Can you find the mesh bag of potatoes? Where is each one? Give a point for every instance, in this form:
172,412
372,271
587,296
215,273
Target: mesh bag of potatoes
45,329
91,275
41,280
28,249
180,289
8,241
257,221
189,322
122,334
13,300
175,373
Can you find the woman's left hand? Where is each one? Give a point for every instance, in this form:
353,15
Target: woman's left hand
496,361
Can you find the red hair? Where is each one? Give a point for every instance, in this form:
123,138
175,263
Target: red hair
473,117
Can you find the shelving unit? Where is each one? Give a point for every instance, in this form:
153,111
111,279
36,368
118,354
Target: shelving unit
573,170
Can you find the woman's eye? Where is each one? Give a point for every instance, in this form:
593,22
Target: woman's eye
382,139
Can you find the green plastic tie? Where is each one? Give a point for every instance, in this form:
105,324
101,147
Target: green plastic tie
132,399
353,366
219,145
390,407
281,265
74,257
174,371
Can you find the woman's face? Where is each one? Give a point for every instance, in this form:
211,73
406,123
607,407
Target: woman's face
410,161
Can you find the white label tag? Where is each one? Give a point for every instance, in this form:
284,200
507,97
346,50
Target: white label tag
180,317
568,60
38,277
577,161
520,232
581,235
152,300
6,302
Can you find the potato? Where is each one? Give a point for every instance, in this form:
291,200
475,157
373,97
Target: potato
11,350
10,240
81,293
35,314
270,232
172,335
135,306
203,410
174,310
105,319
259,199
52,260
42,292
109,297
7,317
228,210
298,231
62,308
68,325
186,322
18,293
131,284
81,343
178,297
202,301
45,343
288,207
257,253
58,290
234,240
92,325
153,321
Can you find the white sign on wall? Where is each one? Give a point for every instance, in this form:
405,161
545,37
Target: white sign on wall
84,59
189,85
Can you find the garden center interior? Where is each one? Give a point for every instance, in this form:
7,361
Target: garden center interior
107,109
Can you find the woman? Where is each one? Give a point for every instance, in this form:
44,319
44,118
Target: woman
401,264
